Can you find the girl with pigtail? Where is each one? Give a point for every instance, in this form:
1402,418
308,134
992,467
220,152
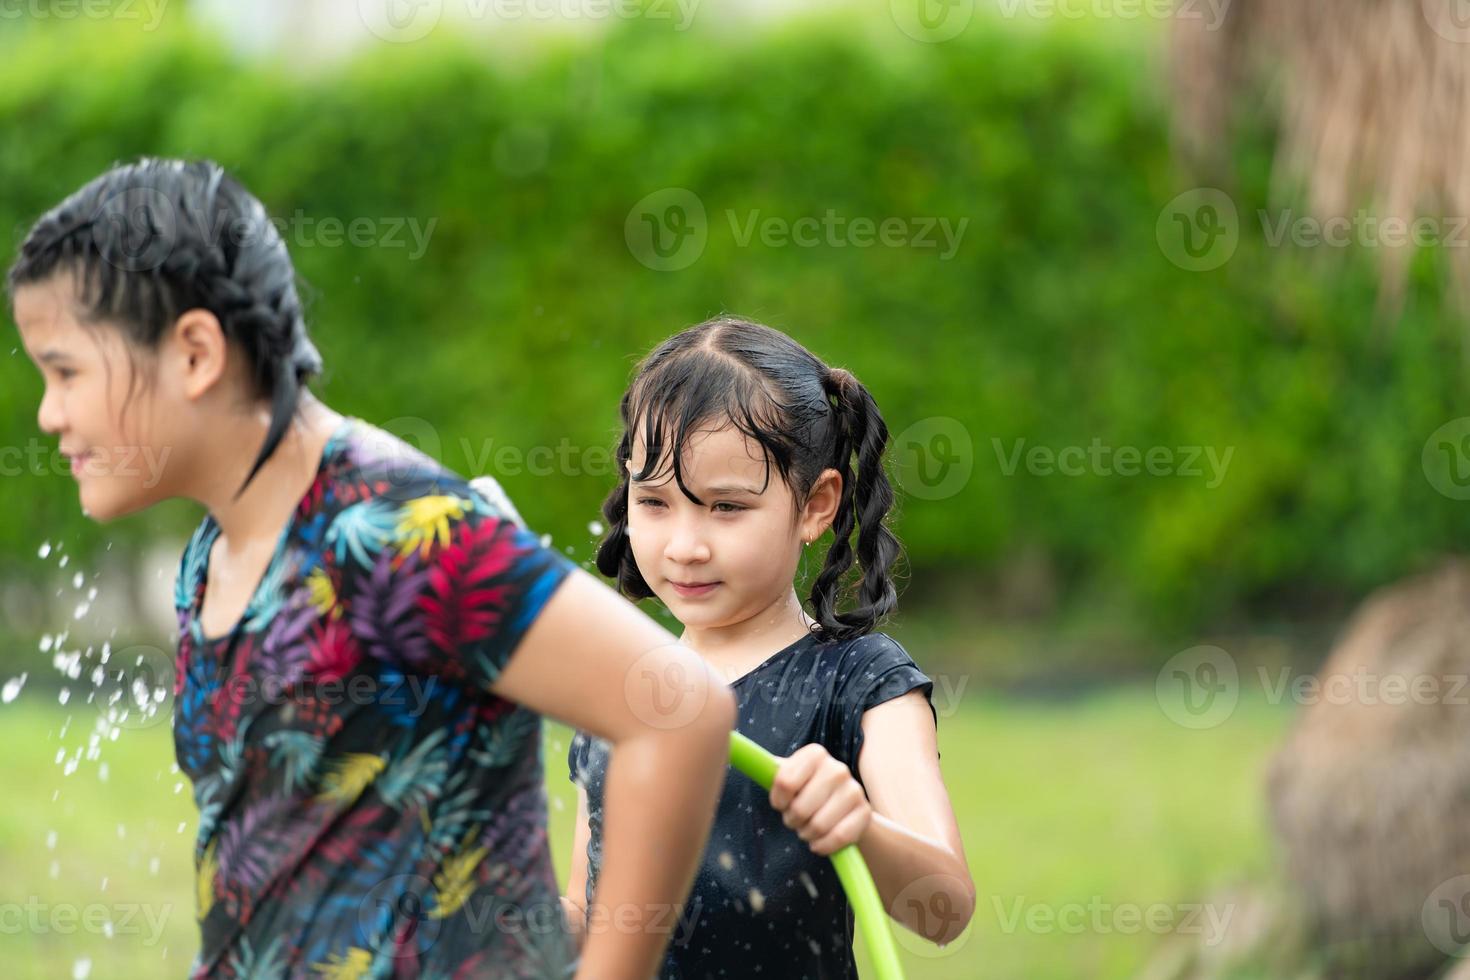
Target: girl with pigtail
366,642
737,453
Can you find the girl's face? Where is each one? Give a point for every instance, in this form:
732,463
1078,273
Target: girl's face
120,462
726,560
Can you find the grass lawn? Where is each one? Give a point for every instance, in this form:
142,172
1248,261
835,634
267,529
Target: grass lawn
1091,825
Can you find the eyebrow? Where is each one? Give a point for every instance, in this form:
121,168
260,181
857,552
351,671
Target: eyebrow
719,489
52,355
735,488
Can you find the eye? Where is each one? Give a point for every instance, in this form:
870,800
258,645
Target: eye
734,508
65,374
649,502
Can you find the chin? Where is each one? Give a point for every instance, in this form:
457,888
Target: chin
696,614
104,508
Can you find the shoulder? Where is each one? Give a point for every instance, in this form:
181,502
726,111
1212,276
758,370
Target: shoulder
386,500
367,462
872,669
371,465
871,651
867,671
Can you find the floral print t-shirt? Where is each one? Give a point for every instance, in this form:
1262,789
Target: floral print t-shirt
367,806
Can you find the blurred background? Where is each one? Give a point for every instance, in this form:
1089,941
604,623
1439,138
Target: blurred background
1164,302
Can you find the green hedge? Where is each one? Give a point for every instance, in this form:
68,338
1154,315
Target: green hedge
1058,320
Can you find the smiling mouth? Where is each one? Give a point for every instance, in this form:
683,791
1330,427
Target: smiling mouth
692,588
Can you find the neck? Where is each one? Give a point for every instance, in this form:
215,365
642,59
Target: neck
778,625
283,479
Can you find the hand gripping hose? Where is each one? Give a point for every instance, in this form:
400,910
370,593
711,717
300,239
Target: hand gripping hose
852,870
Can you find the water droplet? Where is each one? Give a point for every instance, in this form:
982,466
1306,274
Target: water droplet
12,688
757,900
102,772
596,528
181,829
811,886
153,866
82,968
546,541
77,580
45,550
727,861
65,560
51,841
65,695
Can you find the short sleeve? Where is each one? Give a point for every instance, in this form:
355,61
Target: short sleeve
873,670
449,584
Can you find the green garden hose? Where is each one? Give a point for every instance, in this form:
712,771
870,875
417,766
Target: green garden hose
852,870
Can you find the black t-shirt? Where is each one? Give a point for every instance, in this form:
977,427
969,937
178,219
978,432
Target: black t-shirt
763,904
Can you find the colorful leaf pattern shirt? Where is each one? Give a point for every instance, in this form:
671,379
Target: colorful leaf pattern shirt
367,806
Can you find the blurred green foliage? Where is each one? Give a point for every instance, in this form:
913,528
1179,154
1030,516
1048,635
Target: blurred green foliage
1059,320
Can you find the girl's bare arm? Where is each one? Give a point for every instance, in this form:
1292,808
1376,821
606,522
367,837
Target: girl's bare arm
912,844
594,661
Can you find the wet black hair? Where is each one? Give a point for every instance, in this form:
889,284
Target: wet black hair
151,240
808,417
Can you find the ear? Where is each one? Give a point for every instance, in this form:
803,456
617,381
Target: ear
821,505
198,352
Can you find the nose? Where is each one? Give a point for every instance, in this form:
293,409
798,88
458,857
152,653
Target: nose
686,544
49,416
